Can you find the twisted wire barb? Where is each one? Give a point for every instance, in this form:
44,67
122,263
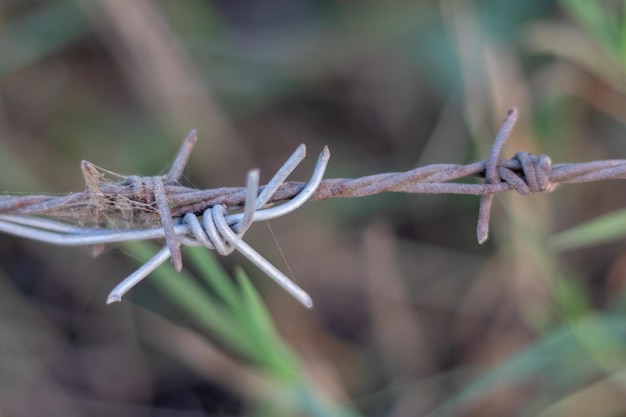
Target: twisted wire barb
145,201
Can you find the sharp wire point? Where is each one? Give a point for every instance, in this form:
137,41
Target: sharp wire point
491,175
281,175
136,277
113,298
218,213
182,157
250,206
171,239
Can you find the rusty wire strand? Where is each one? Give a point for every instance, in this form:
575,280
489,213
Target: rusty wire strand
148,201
429,179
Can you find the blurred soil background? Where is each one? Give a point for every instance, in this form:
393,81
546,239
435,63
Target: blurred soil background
412,317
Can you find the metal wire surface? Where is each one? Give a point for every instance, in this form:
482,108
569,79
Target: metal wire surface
146,201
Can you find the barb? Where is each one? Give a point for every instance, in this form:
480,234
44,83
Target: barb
189,216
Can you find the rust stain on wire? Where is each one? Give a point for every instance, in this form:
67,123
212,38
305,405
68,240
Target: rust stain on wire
144,202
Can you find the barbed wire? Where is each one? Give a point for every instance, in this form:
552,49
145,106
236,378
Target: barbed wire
195,217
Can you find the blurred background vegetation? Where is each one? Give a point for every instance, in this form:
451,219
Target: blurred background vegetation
412,316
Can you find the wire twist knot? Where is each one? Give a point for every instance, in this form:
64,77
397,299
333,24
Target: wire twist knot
532,176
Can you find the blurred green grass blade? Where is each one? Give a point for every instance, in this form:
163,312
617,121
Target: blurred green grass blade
602,337
314,406
606,228
242,322
197,19
269,347
194,300
214,275
573,298
623,34
577,351
40,34
598,20
301,399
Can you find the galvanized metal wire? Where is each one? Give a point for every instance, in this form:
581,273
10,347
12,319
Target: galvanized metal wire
190,216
